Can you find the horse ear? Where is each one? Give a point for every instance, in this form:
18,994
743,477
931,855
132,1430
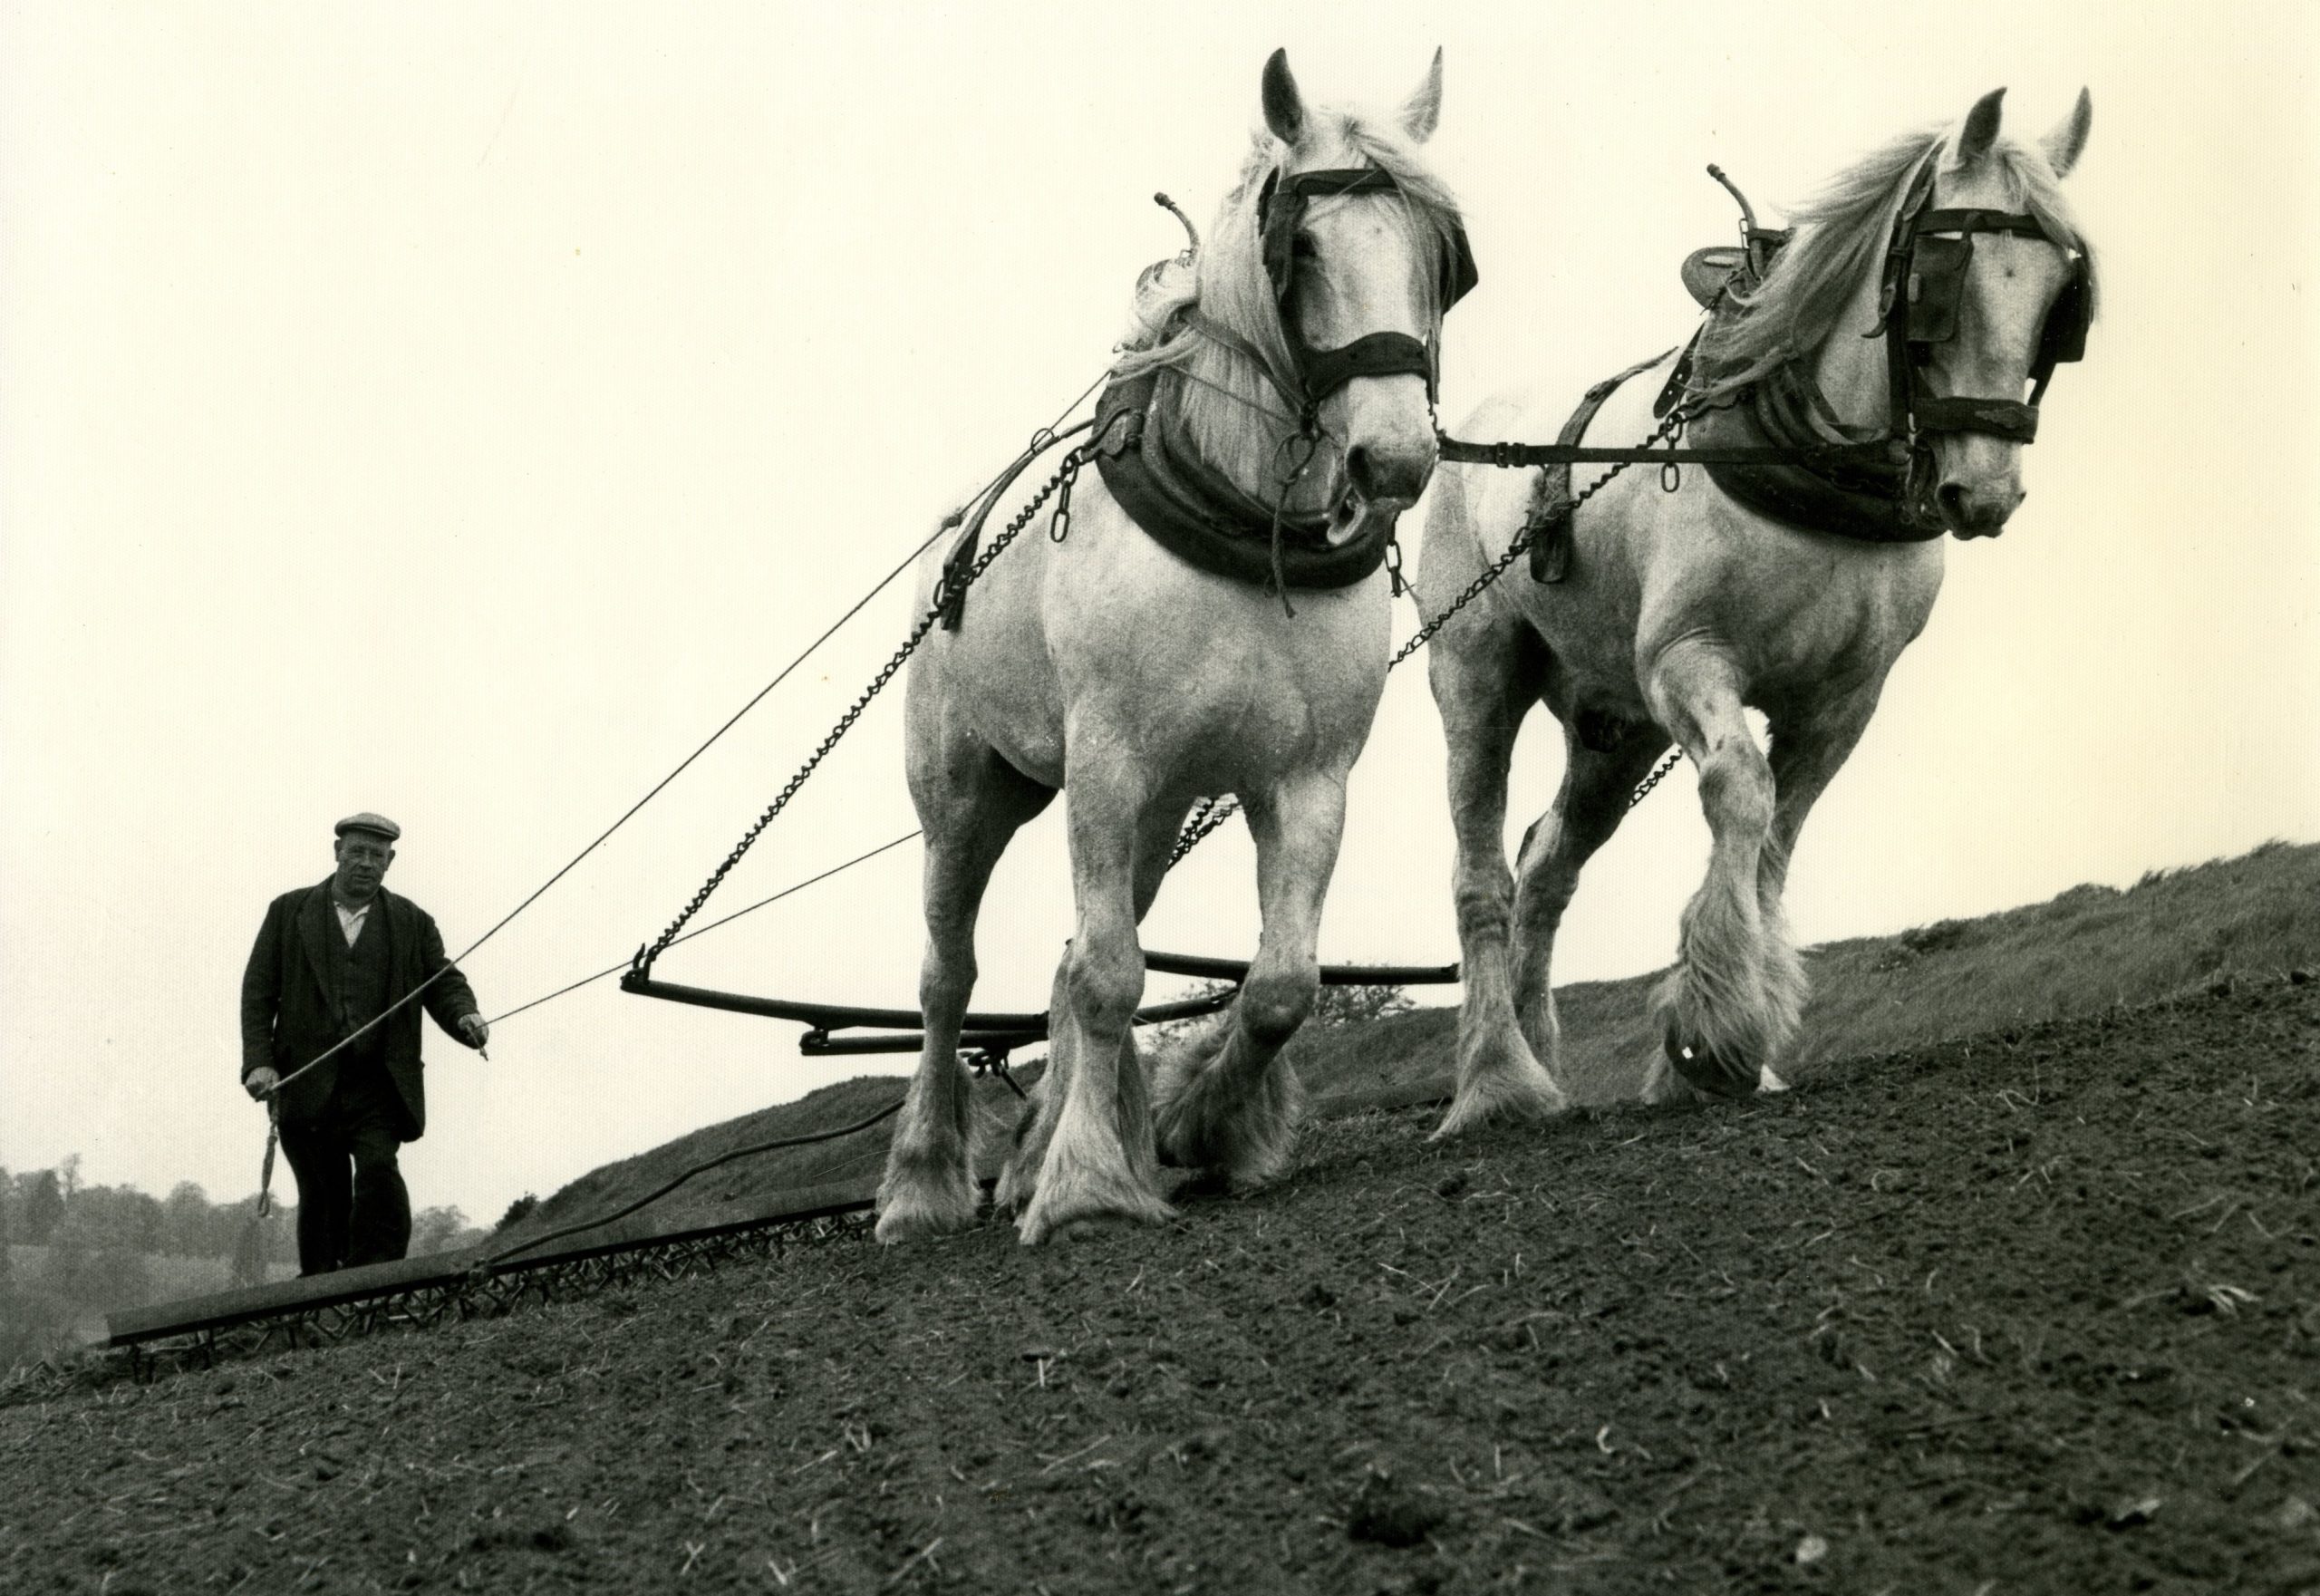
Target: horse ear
1422,109
1284,111
1978,132
2067,143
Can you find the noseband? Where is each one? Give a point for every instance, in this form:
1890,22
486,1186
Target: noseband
1320,372
1920,299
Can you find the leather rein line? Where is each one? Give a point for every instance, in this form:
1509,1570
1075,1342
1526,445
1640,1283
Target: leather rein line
1518,456
1921,274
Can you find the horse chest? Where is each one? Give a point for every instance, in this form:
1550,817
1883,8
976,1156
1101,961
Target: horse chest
1105,641
1796,621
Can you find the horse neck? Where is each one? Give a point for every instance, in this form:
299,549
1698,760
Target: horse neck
1850,368
1233,435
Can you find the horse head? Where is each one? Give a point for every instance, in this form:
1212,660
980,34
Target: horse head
1988,286
1364,256
1323,283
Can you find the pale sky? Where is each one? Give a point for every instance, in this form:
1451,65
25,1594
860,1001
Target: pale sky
459,410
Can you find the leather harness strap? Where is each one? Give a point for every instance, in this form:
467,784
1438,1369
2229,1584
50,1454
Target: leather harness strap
1199,514
1778,447
1552,505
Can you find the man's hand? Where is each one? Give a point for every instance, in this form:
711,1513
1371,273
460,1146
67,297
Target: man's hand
259,1082
472,1027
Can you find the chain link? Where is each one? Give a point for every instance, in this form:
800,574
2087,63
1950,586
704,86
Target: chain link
1659,773
1213,813
1064,477
1210,813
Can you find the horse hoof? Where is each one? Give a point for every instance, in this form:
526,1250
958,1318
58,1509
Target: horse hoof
1042,1223
918,1217
1014,1192
1524,1093
1707,1071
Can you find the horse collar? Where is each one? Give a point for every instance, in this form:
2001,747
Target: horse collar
1201,516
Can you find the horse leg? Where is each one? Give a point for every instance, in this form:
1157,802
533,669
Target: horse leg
972,802
1720,1015
1597,792
1036,1128
1486,675
1087,1172
1806,755
1233,1110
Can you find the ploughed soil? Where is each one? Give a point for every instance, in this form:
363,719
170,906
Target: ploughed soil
2035,1312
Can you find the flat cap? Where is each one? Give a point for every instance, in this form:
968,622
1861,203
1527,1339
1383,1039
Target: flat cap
367,821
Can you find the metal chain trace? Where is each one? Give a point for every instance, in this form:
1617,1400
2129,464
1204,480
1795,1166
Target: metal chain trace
1210,813
1065,475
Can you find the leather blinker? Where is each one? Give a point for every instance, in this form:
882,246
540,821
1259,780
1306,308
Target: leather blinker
1280,212
1924,292
1936,286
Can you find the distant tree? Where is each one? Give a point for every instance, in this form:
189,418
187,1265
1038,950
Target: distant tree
1334,1005
276,1234
88,1268
69,1174
434,1229
44,1207
186,1225
518,1209
1342,1005
249,1254
280,1229
32,1326
147,1222
1171,1033
119,1218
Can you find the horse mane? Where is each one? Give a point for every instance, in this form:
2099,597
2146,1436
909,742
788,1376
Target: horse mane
1226,281
1840,232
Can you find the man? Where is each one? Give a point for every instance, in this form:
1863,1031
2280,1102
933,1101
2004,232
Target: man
329,960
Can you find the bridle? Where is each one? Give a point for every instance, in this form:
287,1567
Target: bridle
1919,301
1318,372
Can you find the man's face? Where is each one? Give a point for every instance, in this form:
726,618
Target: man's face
363,859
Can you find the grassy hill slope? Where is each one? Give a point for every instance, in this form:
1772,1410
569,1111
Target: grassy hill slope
2090,949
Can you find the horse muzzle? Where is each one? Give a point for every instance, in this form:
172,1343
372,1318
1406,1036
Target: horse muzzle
1970,513
1379,482
1979,476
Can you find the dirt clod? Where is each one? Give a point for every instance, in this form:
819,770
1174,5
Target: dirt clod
1386,1513
1971,1313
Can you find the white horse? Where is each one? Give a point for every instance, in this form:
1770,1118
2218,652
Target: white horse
1681,609
1106,666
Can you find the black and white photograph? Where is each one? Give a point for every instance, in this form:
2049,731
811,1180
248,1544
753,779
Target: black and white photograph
1356,798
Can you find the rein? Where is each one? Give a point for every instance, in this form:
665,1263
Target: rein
1921,288
1519,455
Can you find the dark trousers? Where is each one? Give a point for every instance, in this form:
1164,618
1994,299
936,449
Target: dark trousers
352,1207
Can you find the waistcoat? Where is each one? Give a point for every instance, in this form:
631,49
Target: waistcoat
364,971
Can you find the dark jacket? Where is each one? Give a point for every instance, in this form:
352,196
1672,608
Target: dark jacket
290,998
